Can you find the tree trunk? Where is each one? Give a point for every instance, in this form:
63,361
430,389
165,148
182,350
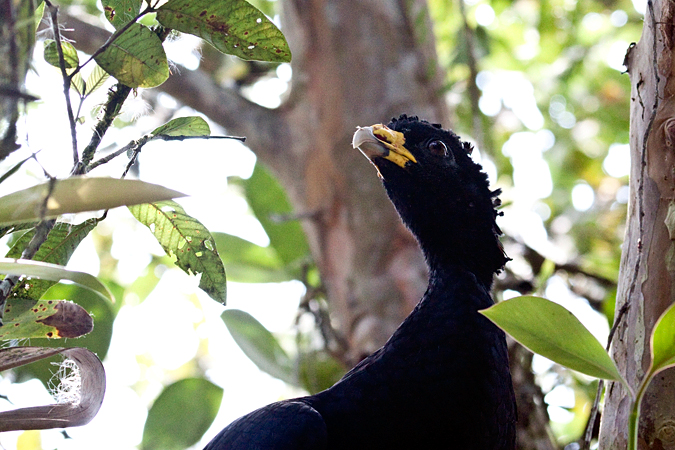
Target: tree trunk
355,62
646,280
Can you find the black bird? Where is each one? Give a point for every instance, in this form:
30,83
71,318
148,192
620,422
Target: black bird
442,380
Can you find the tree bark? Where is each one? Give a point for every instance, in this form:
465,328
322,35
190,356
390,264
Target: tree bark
646,279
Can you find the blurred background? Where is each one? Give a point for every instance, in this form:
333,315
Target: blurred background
319,270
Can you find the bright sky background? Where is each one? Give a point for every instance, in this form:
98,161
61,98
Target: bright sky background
139,328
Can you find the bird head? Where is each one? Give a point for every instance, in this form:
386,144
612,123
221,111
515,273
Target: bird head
441,194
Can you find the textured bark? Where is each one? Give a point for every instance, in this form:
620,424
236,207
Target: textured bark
355,62
647,273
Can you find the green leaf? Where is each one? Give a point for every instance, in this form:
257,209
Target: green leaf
189,241
552,331
53,272
51,54
121,12
184,126
663,341
77,83
97,77
26,318
98,341
78,194
247,262
61,243
136,58
181,414
270,205
259,345
234,27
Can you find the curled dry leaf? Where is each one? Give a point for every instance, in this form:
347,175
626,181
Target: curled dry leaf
59,415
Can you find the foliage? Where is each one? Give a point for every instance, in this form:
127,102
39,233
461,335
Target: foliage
33,218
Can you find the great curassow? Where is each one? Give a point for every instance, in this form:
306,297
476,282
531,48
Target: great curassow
442,380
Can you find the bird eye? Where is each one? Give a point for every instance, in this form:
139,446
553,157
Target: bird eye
438,148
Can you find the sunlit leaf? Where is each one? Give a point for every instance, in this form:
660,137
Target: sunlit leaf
61,242
663,341
184,126
234,27
97,77
26,318
51,54
259,345
78,194
181,414
120,12
77,83
136,58
53,272
189,241
78,410
552,331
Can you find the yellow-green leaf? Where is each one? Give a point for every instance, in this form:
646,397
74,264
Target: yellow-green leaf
136,58
552,331
184,126
189,241
78,194
51,54
234,27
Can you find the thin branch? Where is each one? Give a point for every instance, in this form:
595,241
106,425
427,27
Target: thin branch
54,13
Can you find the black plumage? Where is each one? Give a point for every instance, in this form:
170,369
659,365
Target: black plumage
442,380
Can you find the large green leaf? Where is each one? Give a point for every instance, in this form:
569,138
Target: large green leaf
663,341
61,242
189,241
259,345
25,318
136,58
181,414
552,331
121,12
271,206
247,262
234,27
78,194
53,272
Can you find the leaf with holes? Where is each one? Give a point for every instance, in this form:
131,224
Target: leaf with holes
184,126
53,272
136,58
51,54
120,12
234,27
25,318
552,331
185,238
61,242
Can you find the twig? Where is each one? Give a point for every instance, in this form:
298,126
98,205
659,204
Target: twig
54,13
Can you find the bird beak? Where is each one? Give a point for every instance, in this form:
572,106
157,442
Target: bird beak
378,141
